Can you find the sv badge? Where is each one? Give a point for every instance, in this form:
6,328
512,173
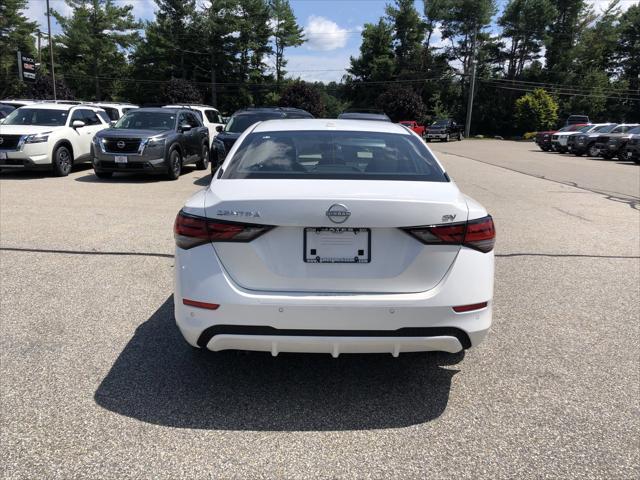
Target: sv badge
448,218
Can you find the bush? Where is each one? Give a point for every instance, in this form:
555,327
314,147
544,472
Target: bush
529,135
302,95
536,110
401,102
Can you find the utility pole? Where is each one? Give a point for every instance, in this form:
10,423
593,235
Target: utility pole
53,69
472,86
214,95
39,47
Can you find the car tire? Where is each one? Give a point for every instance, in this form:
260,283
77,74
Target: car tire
578,153
592,150
174,165
607,156
203,163
428,140
62,161
447,138
103,175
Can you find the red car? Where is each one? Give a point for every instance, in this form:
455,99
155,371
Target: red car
415,126
543,139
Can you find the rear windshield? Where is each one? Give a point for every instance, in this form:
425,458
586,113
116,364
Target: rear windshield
634,130
604,128
37,116
239,123
112,112
139,120
440,123
334,155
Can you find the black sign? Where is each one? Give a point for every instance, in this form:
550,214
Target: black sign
26,68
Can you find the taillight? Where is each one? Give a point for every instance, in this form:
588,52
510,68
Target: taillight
478,234
192,230
470,308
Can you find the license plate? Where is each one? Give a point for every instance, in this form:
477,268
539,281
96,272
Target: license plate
628,155
337,245
3,155
121,159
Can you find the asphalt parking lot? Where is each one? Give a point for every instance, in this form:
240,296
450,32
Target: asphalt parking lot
97,382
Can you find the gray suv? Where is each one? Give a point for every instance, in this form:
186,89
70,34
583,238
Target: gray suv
152,140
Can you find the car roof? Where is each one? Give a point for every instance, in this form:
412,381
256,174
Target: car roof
283,110
191,105
161,109
53,106
309,124
379,117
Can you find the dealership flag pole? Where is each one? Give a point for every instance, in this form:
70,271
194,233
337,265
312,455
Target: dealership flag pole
53,71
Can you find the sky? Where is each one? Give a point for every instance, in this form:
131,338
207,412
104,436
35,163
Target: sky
332,29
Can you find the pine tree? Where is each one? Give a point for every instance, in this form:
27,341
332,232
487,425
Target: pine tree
286,33
408,35
16,33
90,46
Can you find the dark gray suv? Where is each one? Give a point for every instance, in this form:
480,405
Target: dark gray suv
153,140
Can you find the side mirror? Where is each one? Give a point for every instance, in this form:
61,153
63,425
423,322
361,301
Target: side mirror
185,127
219,128
78,124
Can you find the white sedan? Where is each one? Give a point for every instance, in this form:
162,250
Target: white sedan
333,236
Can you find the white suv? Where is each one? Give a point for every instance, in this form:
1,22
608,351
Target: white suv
115,110
209,116
49,135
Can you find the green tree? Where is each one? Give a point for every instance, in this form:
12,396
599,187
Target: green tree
178,91
16,33
408,34
91,45
434,12
572,17
627,53
401,102
300,94
286,33
536,111
525,23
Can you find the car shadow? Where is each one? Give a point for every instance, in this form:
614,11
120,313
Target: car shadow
160,379
129,177
203,181
39,173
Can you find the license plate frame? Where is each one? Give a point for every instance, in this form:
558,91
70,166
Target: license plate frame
121,159
362,244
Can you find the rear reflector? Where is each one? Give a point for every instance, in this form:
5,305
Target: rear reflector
479,234
192,230
193,303
470,308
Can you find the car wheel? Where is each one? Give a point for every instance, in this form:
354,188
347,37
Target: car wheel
427,140
578,153
593,151
174,167
459,136
62,161
607,156
203,163
100,174
545,149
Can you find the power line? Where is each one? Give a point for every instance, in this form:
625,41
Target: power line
566,94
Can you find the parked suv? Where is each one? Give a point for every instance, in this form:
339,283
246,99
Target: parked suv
444,130
586,142
617,143
555,138
602,142
569,141
632,150
543,139
115,110
160,140
49,135
240,121
209,116
575,119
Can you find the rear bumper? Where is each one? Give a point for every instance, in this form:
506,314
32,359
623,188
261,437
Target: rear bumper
331,323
